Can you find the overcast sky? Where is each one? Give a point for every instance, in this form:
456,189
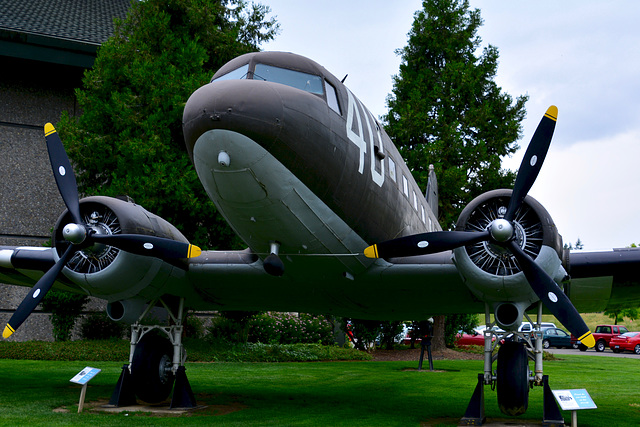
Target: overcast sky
582,56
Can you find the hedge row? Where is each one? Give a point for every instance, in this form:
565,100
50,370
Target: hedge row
197,350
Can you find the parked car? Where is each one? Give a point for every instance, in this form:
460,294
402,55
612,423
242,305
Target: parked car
602,335
629,341
554,337
527,327
477,337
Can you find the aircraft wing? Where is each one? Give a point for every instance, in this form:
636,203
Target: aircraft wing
604,280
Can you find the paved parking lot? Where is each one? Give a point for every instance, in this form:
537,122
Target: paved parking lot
592,352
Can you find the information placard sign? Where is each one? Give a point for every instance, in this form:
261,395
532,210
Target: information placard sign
572,400
85,375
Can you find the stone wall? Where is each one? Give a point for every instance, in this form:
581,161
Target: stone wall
31,94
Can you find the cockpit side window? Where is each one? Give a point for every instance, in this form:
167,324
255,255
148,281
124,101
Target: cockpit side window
237,74
296,79
332,97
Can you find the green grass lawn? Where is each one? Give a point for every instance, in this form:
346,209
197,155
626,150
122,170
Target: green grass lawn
316,394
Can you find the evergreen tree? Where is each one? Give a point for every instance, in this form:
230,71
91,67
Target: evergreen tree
128,140
446,109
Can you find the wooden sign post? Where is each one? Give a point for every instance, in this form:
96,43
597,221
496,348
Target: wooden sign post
83,378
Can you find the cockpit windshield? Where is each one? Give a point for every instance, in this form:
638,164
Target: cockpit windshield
269,73
296,79
237,74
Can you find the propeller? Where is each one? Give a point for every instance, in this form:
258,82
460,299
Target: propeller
81,235
502,232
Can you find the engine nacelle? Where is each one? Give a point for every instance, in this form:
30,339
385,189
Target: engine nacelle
107,272
490,271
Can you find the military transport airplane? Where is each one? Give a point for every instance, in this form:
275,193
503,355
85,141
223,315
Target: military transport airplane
334,223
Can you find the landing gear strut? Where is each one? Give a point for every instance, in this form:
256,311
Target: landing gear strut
512,378
156,362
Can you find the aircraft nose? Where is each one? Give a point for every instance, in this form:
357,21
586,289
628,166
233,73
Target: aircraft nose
249,107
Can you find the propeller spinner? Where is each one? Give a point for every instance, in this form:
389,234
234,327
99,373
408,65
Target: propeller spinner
81,235
501,232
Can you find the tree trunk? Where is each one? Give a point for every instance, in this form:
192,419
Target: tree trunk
437,343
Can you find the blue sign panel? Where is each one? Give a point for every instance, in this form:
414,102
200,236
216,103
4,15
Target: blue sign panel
572,400
85,375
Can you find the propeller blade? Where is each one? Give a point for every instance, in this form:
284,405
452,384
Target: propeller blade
553,298
425,243
63,172
532,161
159,247
33,298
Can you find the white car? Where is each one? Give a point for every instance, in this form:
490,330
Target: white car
527,327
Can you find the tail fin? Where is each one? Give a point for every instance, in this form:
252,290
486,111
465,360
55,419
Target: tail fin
432,191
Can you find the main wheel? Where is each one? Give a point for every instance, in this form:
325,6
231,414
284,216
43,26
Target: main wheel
151,368
513,378
601,345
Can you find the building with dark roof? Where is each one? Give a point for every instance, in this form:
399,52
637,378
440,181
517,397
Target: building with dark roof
45,47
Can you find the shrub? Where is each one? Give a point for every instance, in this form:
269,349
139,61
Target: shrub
194,327
286,328
98,326
65,308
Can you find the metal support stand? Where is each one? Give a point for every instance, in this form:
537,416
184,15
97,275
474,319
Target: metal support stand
182,395
474,415
551,415
123,395
426,342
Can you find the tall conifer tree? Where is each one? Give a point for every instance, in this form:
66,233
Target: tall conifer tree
447,110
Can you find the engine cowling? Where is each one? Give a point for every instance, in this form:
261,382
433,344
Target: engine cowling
490,271
105,271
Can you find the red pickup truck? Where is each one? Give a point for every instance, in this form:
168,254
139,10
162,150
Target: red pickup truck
602,335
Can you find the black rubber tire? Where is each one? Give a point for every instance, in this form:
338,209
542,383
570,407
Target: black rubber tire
600,346
574,345
546,344
151,381
513,378
582,347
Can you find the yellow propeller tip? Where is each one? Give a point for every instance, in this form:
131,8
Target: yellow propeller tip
371,252
552,113
49,129
588,339
194,251
8,331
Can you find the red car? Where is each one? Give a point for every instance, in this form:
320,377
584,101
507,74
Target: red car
476,338
628,341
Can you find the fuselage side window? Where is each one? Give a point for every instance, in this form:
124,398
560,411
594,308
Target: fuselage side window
392,169
237,74
405,186
424,217
296,79
332,97
415,201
